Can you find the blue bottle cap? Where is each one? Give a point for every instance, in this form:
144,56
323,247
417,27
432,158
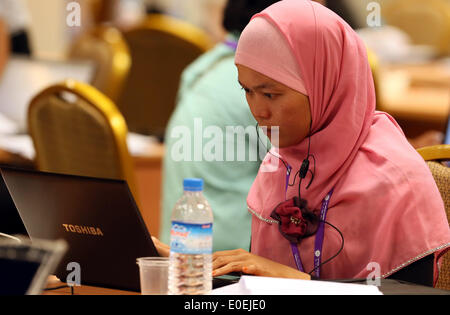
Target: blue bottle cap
193,184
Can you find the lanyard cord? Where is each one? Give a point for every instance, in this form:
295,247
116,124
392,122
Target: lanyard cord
337,253
231,43
319,238
318,242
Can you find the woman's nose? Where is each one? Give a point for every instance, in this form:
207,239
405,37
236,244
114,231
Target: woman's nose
260,111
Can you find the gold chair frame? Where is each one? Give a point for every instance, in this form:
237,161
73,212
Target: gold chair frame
435,152
121,59
178,28
107,109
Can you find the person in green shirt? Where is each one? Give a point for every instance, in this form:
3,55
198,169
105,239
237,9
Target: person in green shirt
210,98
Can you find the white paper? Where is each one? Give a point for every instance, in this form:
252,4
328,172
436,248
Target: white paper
251,285
18,144
8,126
140,145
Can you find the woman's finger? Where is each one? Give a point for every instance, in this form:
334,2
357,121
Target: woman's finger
228,258
223,261
228,268
250,270
233,252
163,249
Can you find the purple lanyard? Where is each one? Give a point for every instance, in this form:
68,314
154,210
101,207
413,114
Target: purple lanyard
231,43
319,234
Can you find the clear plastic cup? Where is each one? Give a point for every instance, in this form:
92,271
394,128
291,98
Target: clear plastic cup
154,275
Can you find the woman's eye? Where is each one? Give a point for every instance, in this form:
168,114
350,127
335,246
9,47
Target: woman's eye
268,95
246,90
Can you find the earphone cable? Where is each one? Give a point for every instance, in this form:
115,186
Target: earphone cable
338,252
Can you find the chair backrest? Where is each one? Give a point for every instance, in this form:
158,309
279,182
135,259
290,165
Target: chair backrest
426,22
161,48
107,48
441,174
78,130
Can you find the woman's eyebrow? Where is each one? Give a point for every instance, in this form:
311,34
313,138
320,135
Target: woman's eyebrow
260,86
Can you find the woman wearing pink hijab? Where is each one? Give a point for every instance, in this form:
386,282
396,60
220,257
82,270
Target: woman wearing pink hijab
348,195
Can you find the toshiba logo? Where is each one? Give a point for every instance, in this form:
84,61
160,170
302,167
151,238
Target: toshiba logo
83,229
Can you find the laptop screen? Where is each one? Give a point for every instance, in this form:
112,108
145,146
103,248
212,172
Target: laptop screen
98,218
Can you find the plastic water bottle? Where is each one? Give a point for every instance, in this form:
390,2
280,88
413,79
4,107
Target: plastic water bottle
190,269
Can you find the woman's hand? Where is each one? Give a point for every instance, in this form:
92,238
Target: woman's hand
240,260
163,249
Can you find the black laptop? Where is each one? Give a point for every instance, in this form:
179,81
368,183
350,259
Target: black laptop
10,222
98,218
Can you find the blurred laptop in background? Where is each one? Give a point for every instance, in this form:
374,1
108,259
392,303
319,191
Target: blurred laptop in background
25,266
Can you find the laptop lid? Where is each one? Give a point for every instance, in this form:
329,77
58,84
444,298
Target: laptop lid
98,218
10,221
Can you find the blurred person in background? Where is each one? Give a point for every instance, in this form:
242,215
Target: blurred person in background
15,16
209,91
55,24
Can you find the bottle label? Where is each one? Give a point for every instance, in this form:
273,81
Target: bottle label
188,238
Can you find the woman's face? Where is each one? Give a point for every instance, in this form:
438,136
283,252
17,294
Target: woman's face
275,105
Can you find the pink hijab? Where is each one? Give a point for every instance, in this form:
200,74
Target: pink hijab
385,201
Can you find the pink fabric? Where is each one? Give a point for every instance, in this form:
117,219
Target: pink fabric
385,201
262,41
